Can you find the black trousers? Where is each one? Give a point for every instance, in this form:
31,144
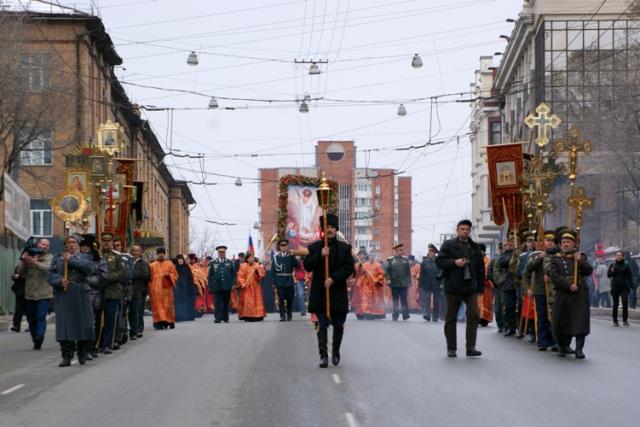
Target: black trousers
620,294
510,310
453,305
286,294
399,296
19,312
143,300
221,312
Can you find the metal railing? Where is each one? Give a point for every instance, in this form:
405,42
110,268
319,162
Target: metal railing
8,261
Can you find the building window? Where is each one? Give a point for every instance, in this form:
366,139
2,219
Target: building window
495,131
37,148
35,69
41,218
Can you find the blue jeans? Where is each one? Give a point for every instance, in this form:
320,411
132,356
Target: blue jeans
111,307
426,303
37,317
299,303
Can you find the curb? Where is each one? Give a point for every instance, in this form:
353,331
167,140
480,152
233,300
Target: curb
606,312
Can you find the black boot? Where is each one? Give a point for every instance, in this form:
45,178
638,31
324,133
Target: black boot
37,343
66,350
338,333
579,346
82,352
282,312
322,347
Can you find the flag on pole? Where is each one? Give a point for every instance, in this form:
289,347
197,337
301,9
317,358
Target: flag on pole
250,245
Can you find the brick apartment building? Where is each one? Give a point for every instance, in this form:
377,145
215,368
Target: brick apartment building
374,205
66,58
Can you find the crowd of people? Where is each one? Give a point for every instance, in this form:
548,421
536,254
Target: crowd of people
534,289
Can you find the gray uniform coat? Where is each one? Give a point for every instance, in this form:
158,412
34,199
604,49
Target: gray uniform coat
74,314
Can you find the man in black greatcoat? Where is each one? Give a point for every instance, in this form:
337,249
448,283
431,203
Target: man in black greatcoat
463,278
341,266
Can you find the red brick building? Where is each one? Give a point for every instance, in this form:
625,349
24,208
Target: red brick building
374,205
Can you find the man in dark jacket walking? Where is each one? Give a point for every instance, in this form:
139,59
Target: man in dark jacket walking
463,275
430,284
341,266
621,285
398,273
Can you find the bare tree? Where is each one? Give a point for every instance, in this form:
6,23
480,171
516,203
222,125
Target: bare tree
35,94
201,241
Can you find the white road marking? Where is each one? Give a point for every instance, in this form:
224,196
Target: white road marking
74,362
351,420
12,389
336,379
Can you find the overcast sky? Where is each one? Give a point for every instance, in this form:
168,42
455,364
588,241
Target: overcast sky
246,50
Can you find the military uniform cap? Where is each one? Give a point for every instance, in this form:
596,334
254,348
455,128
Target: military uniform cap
550,234
398,245
106,237
283,241
221,248
569,234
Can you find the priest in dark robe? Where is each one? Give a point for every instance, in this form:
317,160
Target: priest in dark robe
184,292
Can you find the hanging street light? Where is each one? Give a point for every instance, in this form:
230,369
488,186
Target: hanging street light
213,103
402,111
416,62
304,108
314,69
192,59
256,225
238,182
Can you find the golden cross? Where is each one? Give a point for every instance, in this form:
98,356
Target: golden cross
537,180
579,201
573,147
543,120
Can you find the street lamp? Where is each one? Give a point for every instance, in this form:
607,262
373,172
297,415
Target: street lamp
213,103
314,69
416,62
402,111
256,225
304,108
238,182
192,59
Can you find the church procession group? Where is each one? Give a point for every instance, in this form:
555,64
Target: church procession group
536,283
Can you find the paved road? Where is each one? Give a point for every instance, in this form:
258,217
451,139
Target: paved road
265,374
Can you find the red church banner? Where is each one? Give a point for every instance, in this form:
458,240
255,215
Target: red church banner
505,170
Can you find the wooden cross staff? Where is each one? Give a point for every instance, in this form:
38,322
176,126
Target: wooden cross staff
579,201
573,147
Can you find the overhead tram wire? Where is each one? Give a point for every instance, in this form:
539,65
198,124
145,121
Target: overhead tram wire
385,18
258,28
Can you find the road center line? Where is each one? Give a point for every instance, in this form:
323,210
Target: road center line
351,420
336,378
12,389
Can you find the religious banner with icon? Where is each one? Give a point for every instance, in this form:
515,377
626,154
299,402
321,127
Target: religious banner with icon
69,206
505,172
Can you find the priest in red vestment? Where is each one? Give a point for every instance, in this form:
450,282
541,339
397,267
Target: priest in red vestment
369,289
250,303
163,279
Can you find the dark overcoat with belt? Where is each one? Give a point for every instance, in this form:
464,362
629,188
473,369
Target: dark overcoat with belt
74,313
341,266
570,309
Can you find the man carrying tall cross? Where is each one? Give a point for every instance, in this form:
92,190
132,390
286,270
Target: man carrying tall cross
341,266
